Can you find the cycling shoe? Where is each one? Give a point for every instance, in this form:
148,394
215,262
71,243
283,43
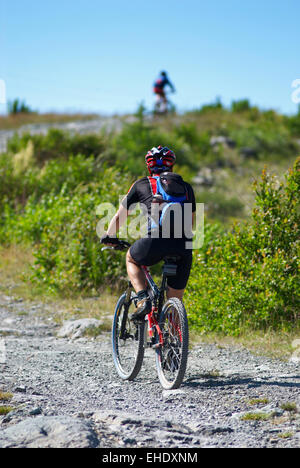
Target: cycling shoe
143,308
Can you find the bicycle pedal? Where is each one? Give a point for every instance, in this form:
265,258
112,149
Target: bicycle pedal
156,346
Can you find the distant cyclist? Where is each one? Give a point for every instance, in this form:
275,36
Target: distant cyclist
150,249
159,88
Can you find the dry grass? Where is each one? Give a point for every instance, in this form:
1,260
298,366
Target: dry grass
269,343
5,409
15,262
15,121
5,396
15,265
256,417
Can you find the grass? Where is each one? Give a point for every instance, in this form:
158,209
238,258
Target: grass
258,401
15,264
285,435
5,396
5,409
269,343
15,267
256,417
290,407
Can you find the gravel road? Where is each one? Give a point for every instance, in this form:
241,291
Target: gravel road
66,393
74,127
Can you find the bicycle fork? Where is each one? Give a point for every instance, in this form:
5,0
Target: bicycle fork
123,331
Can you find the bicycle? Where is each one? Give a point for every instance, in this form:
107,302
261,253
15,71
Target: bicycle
163,108
165,330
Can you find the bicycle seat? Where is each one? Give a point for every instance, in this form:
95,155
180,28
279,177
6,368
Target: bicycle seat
170,266
172,258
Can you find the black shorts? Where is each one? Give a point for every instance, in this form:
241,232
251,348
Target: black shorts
148,251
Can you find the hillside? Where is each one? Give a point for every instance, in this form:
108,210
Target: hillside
53,178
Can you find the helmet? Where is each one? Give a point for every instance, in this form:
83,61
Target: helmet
160,159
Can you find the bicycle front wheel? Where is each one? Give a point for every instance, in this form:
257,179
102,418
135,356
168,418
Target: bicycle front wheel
171,356
127,340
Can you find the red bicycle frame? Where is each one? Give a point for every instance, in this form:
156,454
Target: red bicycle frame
152,321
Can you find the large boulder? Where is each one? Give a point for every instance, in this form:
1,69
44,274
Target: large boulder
77,328
49,432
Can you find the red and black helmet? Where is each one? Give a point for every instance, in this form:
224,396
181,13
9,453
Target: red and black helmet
160,159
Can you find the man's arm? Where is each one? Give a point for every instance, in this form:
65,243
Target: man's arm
117,221
120,217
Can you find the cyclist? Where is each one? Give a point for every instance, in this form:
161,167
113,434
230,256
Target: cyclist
150,249
158,88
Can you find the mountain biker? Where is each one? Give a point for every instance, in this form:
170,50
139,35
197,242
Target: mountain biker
151,250
158,88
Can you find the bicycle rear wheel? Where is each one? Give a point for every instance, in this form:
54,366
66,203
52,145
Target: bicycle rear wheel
127,340
171,357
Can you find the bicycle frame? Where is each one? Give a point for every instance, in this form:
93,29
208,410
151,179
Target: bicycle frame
158,297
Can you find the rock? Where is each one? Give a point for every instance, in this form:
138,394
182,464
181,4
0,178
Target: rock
248,153
35,411
204,177
222,140
20,389
76,328
296,353
172,393
49,432
212,430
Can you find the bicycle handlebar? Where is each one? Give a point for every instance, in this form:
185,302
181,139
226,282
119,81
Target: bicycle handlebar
118,245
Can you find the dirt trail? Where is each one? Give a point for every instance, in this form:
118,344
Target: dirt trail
72,384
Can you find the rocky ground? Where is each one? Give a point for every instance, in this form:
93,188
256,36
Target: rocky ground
79,126
66,393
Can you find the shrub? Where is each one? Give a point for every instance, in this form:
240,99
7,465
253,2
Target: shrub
240,106
293,123
18,107
130,146
57,144
267,139
249,277
62,229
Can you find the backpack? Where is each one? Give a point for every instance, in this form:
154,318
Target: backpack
169,195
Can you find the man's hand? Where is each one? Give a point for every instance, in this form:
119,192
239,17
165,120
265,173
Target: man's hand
110,241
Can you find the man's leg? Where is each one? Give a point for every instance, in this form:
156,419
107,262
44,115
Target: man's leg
171,292
136,274
137,278
138,281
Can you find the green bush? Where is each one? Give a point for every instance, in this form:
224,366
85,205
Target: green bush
250,277
62,229
293,124
240,106
268,139
18,107
51,185
130,146
57,144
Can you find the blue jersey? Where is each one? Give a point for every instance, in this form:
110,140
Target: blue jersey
162,81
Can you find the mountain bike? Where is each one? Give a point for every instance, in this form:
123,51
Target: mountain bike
164,329
163,108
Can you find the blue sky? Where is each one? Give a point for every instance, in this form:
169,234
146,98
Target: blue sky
103,56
